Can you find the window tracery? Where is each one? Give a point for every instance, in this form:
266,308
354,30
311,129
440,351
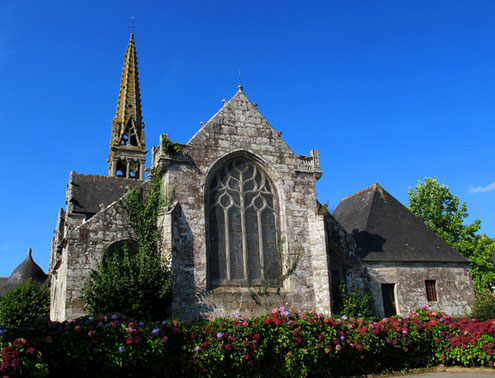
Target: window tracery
242,226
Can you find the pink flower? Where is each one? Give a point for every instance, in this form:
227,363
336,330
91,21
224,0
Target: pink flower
165,339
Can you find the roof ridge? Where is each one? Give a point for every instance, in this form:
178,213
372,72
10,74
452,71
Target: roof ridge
374,186
373,199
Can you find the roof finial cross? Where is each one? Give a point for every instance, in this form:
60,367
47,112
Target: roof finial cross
240,84
132,25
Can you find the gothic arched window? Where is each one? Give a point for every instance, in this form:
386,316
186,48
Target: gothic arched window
242,208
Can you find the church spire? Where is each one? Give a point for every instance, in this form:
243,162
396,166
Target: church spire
127,148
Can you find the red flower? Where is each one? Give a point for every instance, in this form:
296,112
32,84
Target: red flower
165,339
228,346
129,340
22,342
31,350
256,337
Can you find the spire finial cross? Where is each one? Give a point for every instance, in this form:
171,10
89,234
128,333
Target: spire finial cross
240,82
132,25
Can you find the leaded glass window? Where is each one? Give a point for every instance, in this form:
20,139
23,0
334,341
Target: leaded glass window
242,226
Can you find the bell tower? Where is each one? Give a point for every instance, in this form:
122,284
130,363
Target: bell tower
127,148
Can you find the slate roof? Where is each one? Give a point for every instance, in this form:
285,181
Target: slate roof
386,231
26,270
87,192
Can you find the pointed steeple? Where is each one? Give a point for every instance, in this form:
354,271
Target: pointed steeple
127,147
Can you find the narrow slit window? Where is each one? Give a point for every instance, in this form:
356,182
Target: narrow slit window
431,291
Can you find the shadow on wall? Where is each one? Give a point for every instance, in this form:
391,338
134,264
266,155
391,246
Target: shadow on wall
367,242
189,301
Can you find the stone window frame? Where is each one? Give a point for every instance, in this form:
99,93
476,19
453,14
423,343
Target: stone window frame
268,172
117,246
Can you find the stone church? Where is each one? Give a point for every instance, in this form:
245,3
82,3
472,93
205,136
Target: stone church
243,231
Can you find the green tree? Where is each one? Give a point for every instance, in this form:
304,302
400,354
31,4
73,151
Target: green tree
138,286
445,214
24,304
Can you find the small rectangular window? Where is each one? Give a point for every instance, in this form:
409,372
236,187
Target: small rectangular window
431,291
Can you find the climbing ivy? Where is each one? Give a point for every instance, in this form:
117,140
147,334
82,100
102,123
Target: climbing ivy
143,213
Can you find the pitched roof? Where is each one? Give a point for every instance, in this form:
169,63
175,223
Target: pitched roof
4,286
385,230
87,192
26,270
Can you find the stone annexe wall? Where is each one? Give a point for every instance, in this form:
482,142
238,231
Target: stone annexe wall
454,286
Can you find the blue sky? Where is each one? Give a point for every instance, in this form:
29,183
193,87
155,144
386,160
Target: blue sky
387,91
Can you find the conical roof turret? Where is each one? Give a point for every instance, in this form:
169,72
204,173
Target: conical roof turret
26,270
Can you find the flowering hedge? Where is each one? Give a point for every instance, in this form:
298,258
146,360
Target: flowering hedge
281,343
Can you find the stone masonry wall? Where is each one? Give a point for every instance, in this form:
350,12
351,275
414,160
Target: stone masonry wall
83,251
455,294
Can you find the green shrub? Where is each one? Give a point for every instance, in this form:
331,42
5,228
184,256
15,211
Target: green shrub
484,307
24,304
350,303
138,286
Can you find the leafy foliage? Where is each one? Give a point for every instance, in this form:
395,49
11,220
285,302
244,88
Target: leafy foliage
139,285
348,302
24,304
445,214
484,307
170,147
